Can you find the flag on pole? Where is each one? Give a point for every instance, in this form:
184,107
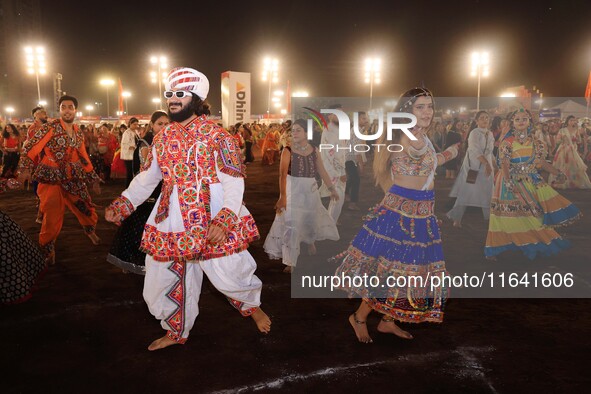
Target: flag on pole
588,90
121,108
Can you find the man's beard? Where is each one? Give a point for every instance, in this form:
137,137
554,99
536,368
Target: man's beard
43,120
68,120
184,114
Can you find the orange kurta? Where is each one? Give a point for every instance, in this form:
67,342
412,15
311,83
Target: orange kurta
62,167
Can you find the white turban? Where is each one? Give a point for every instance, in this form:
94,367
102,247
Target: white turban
185,78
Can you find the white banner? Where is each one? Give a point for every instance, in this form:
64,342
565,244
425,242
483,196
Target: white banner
235,98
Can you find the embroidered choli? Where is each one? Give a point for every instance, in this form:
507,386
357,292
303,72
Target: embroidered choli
55,158
411,166
302,166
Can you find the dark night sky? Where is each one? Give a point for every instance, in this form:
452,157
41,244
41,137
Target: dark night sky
320,45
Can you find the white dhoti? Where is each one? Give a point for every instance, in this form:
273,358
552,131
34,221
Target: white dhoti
172,289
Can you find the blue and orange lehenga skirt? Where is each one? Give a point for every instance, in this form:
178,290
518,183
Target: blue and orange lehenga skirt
398,244
524,219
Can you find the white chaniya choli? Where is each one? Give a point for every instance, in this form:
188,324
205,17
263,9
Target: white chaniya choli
305,219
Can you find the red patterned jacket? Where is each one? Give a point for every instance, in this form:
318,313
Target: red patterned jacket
203,183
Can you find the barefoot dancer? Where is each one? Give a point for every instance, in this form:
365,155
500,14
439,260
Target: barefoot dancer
199,224
401,238
56,157
524,208
301,217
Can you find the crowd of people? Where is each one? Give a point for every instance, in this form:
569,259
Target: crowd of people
181,214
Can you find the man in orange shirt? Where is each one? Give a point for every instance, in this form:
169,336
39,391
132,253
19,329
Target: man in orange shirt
56,157
40,115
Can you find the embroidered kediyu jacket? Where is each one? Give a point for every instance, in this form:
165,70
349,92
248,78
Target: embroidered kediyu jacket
202,184
54,158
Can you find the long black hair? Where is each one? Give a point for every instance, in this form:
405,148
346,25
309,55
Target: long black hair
568,118
200,107
6,133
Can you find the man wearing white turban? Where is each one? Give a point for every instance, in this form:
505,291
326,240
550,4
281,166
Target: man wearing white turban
199,224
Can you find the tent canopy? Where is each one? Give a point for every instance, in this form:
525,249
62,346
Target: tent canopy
570,107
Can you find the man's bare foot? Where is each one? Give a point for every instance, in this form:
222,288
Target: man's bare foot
388,326
457,224
262,320
161,343
288,269
360,328
94,238
312,249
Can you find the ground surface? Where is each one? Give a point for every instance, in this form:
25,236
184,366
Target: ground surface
87,327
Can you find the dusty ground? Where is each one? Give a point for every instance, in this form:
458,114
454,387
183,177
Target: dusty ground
87,328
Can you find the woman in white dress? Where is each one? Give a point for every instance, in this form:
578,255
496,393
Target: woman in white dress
301,217
475,192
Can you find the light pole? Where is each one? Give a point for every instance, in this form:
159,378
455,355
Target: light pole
9,111
126,95
161,64
107,83
98,106
480,68
157,101
373,67
270,71
36,64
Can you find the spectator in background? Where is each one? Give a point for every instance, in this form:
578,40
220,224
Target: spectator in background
11,148
453,137
128,145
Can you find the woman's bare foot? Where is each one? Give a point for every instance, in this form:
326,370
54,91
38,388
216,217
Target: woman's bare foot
389,326
161,343
262,320
457,224
288,269
94,238
360,328
312,249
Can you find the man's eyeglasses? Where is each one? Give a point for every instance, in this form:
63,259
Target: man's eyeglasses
178,93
